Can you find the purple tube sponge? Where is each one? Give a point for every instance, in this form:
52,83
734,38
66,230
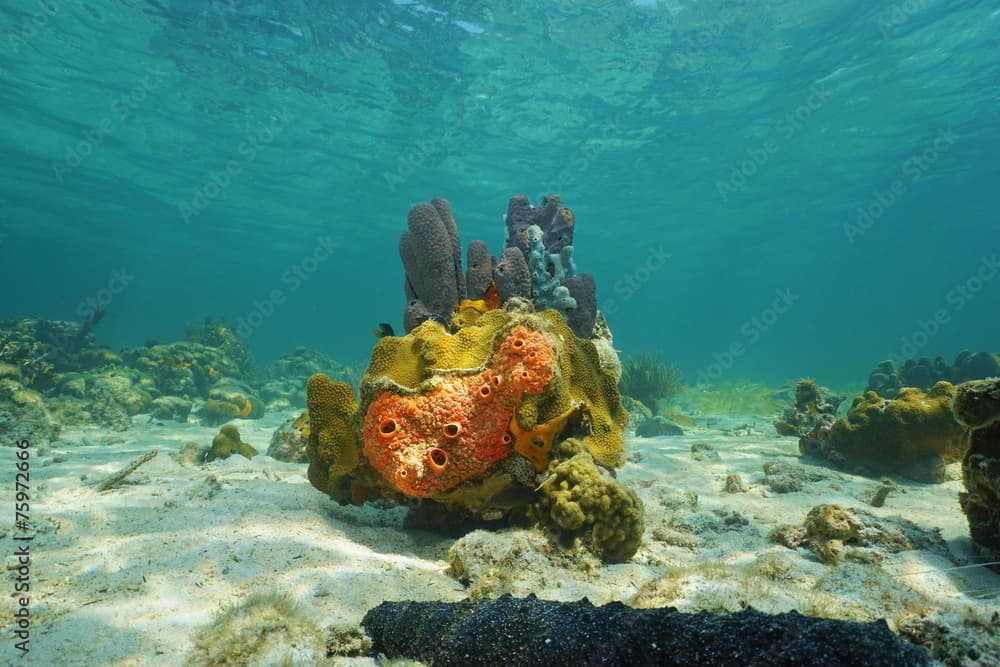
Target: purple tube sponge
479,275
432,259
583,289
556,222
511,275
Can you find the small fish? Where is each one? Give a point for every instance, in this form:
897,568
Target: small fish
383,329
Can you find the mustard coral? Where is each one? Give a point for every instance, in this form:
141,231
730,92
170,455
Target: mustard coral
914,434
578,503
227,443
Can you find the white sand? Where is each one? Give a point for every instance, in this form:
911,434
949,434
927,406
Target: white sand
131,575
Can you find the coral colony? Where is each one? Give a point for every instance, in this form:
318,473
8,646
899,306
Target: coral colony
505,382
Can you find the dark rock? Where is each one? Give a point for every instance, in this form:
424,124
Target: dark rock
783,477
702,452
530,631
977,405
657,426
923,373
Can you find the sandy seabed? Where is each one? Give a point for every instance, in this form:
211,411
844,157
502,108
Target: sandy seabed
140,574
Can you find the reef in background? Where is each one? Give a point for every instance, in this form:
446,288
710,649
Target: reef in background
52,374
886,379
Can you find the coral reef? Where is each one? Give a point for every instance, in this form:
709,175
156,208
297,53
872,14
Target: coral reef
230,399
181,368
914,434
84,384
227,443
646,378
440,409
172,408
283,382
811,418
464,418
924,372
109,396
530,631
23,413
44,348
219,336
115,397
977,407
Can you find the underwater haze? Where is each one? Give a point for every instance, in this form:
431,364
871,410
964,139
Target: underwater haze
763,189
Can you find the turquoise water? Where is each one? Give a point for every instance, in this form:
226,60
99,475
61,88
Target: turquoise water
762,189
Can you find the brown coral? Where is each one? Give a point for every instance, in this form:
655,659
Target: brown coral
227,443
914,434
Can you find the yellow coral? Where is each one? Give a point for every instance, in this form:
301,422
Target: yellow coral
585,380
227,443
332,446
302,424
410,360
222,407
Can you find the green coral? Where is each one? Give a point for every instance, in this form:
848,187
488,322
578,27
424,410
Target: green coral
578,503
646,378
